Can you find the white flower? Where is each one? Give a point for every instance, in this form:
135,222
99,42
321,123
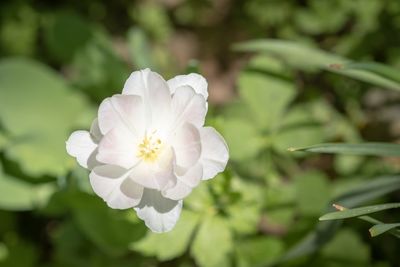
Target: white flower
149,148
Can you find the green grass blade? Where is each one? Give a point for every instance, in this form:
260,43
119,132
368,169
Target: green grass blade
370,149
351,213
382,228
310,58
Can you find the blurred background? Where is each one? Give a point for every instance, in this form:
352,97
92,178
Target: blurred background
59,59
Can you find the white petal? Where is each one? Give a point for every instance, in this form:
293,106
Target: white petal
95,131
118,147
81,146
155,93
187,106
158,174
112,185
159,214
187,146
185,183
214,154
194,80
120,110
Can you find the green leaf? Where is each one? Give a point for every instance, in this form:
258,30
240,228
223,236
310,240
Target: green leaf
160,245
324,231
212,242
348,249
39,111
258,251
304,57
356,212
312,193
17,195
371,149
382,228
266,96
242,137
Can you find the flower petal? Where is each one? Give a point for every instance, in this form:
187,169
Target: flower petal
214,154
187,106
120,110
194,80
159,214
81,146
186,145
95,131
112,185
158,174
185,183
118,147
156,97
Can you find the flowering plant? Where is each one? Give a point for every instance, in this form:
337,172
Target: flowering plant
148,147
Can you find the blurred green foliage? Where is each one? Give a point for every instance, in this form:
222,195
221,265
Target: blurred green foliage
60,59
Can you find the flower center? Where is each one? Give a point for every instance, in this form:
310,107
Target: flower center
149,148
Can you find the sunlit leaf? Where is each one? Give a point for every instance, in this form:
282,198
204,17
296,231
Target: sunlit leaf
38,110
266,96
17,195
259,251
382,228
356,212
212,242
161,246
372,149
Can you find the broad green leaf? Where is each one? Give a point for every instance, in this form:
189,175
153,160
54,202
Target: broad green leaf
266,96
382,228
39,111
3,141
258,251
299,128
17,195
242,137
356,212
312,193
304,57
212,242
110,230
348,249
160,245
372,149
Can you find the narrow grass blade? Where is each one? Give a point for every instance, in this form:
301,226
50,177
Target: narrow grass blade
351,213
368,149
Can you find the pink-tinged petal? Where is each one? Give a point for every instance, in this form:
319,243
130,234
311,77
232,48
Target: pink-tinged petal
81,146
185,183
127,110
187,106
156,97
186,145
159,214
156,175
214,154
118,147
194,80
112,185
